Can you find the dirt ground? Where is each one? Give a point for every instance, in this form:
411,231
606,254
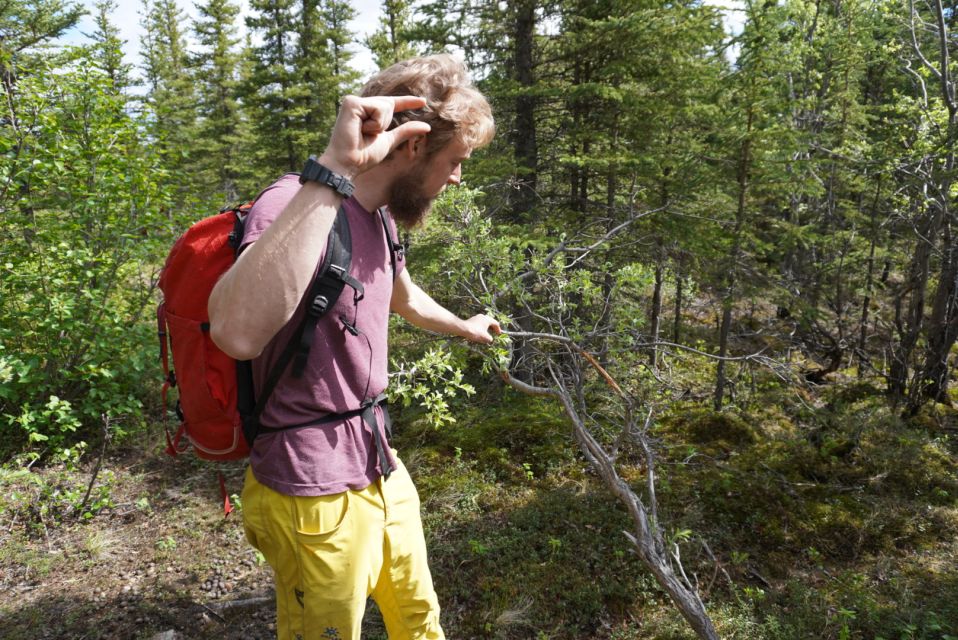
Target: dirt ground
161,561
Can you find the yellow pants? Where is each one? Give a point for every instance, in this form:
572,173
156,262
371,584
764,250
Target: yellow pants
330,553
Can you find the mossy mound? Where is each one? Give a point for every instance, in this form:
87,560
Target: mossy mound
724,429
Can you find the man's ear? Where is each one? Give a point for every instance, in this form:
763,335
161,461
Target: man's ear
417,146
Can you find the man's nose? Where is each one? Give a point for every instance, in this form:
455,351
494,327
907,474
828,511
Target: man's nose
456,176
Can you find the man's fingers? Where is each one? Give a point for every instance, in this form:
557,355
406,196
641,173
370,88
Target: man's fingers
408,130
377,115
378,111
404,103
361,138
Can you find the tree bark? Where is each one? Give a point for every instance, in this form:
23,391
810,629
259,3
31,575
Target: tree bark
728,297
679,294
655,313
942,330
525,147
869,283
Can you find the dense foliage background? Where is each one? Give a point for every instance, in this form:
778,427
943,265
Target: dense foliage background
753,234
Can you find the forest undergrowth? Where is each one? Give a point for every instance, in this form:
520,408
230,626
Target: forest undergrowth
803,513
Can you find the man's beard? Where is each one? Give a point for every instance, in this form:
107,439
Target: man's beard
407,202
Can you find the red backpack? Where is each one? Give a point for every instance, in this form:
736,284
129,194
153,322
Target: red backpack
218,410
205,377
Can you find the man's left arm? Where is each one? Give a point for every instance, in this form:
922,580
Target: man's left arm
420,310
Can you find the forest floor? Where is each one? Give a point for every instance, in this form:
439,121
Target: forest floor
802,516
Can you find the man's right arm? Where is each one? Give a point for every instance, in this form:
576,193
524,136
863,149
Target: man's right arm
258,295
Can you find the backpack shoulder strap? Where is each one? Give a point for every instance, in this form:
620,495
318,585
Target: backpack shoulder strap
331,278
396,249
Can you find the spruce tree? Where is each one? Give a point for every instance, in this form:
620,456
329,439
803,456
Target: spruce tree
170,99
108,47
215,69
392,42
267,88
337,14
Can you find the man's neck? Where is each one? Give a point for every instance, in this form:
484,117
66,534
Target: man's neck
372,187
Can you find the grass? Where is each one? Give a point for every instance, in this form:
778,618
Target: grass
828,517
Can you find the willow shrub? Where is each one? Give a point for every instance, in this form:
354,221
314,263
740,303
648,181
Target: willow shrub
86,219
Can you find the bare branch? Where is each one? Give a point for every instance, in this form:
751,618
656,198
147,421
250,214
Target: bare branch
947,88
914,41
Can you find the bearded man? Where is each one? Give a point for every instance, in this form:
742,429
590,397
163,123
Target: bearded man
326,500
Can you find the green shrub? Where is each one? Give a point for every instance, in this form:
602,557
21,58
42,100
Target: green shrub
84,227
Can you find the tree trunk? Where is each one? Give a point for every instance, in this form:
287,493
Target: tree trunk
723,352
655,313
932,378
725,327
679,293
909,324
942,330
869,283
524,136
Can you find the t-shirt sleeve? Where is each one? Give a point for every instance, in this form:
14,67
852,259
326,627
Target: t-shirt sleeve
269,204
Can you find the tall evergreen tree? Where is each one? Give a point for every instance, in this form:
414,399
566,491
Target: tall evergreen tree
393,42
108,47
215,69
25,25
337,15
297,77
268,87
171,97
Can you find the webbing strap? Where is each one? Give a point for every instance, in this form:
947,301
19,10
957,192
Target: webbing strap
395,248
367,411
173,446
369,417
227,505
329,283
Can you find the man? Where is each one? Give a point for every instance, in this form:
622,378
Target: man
330,505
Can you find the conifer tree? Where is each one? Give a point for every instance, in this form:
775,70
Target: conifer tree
267,89
108,47
314,89
392,42
337,14
171,98
296,78
215,69
25,26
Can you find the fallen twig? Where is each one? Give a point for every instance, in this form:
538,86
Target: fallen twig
99,463
216,607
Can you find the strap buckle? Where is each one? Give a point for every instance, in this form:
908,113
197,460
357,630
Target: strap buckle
338,271
318,306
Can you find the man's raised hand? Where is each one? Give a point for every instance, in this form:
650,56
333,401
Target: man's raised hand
360,140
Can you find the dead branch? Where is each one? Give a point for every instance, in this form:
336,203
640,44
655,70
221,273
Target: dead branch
647,538
219,607
99,463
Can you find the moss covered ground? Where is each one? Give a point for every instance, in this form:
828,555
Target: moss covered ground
802,513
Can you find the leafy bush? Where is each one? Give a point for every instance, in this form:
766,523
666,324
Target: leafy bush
85,217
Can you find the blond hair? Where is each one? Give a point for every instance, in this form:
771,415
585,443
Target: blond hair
454,108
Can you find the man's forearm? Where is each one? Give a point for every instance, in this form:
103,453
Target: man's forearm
419,309
259,294
278,268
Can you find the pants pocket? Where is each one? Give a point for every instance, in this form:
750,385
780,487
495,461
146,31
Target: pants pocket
319,518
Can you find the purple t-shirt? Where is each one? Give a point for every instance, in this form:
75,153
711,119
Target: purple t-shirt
343,369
